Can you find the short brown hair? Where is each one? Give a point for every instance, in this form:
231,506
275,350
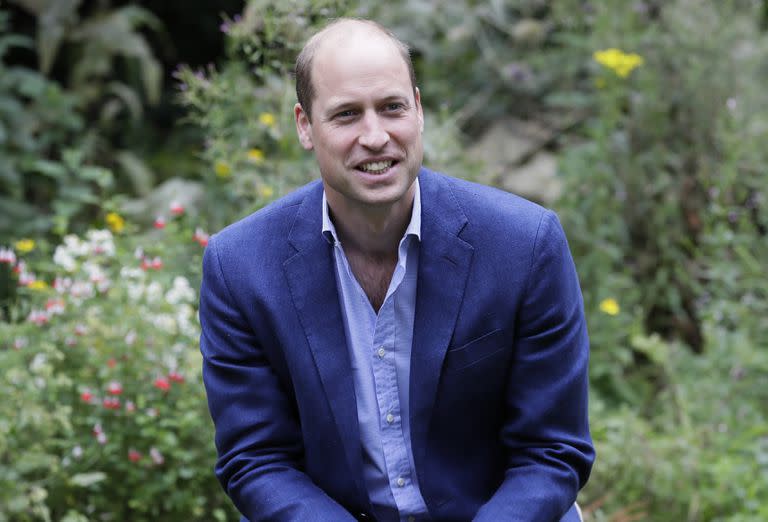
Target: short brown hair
305,91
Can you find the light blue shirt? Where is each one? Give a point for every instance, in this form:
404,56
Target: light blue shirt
380,351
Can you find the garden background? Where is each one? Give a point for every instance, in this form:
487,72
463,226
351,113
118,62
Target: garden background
131,130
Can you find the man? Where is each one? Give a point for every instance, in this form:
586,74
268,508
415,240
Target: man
389,343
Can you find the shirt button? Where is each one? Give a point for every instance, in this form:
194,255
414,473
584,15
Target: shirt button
401,481
382,352
390,418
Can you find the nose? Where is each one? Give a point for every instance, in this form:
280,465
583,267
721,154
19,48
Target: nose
373,135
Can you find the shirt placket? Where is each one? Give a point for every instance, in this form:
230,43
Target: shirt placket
385,377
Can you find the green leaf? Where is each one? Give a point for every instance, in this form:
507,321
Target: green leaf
87,479
141,176
52,169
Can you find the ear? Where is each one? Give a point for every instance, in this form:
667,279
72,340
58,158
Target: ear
303,127
419,110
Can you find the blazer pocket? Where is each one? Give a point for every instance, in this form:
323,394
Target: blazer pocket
473,351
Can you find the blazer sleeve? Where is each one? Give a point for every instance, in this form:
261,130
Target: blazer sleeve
258,437
549,450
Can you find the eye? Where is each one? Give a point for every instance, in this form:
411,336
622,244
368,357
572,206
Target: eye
345,114
394,107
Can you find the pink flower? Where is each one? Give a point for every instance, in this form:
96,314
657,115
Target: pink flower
55,306
151,412
86,396
177,208
159,223
130,407
200,236
133,455
157,263
156,456
70,341
115,388
38,317
176,377
111,403
101,438
80,329
7,256
161,383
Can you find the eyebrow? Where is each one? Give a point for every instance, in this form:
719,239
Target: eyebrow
344,104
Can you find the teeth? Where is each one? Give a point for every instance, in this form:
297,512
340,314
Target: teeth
376,167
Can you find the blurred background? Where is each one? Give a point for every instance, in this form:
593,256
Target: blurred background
131,130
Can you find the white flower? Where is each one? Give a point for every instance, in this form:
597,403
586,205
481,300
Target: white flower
38,363
180,292
100,242
63,257
154,291
75,246
165,323
128,272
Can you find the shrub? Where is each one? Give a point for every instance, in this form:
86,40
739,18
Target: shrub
104,414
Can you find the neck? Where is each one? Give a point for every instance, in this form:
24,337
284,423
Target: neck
372,231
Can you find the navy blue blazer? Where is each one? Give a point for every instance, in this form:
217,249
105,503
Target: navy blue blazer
498,385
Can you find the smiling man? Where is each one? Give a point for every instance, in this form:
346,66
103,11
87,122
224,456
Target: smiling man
389,343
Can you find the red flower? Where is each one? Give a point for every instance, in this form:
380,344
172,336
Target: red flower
111,362
176,377
133,455
161,383
114,387
177,208
159,222
86,396
157,263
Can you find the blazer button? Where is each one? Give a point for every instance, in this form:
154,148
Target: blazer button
364,516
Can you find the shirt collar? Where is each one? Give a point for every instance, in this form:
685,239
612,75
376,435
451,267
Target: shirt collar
413,229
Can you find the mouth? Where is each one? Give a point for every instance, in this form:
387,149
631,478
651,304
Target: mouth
376,167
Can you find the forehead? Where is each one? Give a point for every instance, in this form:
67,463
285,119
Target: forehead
358,62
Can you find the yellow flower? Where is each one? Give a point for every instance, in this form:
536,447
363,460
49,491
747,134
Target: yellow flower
255,155
37,285
115,222
25,245
265,191
267,118
618,61
610,306
222,169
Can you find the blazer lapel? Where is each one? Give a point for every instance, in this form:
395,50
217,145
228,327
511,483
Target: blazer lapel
312,281
444,266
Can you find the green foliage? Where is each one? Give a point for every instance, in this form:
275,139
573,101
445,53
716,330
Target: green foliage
484,59
38,120
54,169
104,414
